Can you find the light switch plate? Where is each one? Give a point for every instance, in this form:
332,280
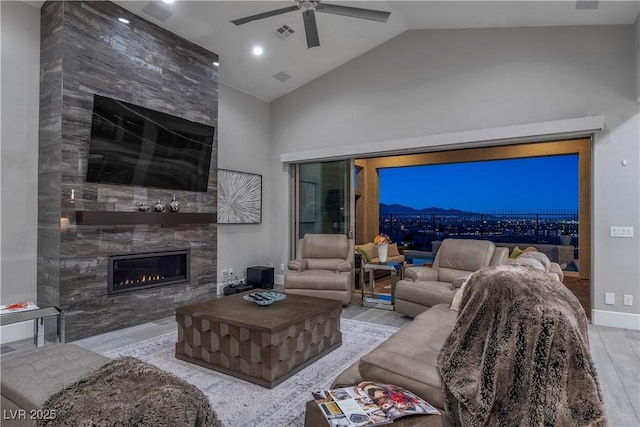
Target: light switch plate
621,231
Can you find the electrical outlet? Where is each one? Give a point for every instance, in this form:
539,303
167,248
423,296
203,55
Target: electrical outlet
224,273
282,267
220,288
609,298
628,299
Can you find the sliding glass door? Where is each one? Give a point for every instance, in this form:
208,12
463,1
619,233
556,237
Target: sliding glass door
323,198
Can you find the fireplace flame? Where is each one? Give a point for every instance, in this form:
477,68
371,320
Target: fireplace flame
144,279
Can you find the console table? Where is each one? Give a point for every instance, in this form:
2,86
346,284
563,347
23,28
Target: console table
38,315
369,297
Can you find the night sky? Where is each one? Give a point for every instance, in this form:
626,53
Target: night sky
538,184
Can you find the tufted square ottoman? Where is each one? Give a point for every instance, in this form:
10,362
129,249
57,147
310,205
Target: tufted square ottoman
30,376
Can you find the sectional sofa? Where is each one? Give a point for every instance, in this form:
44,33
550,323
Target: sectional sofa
409,357
520,304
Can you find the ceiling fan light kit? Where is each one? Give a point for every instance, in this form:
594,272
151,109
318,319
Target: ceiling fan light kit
309,7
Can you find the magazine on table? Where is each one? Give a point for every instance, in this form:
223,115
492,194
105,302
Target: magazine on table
369,404
16,307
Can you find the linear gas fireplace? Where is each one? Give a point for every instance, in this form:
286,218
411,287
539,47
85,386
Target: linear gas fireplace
146,270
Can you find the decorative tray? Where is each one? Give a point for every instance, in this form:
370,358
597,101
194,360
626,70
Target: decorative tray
264,298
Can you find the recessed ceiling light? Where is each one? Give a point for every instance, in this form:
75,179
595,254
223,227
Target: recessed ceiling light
216,63
123,20
257,51
168,1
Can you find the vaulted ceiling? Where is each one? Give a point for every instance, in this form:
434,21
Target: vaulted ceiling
207,23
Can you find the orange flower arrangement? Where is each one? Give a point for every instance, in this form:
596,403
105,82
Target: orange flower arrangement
381,238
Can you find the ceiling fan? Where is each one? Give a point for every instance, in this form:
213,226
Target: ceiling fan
309,7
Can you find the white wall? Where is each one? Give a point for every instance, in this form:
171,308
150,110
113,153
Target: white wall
243,145
19,76
429,82
637,28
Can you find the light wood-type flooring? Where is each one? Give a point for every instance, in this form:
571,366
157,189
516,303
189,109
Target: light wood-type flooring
616,353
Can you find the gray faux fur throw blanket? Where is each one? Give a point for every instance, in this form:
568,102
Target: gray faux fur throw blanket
129,392
519,354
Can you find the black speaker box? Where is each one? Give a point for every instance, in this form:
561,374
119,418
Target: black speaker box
260,277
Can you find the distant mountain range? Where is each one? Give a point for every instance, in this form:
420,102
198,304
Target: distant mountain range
406,210
396,209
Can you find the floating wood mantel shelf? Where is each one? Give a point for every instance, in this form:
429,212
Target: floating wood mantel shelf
134,218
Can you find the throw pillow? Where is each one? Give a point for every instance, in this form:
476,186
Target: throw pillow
366,250
516,251
523,261
457,298
538,256
393,250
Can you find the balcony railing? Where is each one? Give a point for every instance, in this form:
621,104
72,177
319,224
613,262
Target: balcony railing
419,230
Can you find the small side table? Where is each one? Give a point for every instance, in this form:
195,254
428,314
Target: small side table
38,315
368,296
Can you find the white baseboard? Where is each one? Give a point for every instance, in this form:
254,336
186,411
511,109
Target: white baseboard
16,332
615,319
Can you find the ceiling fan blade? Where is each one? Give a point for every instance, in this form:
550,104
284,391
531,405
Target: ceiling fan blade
265,15
311,28
354,12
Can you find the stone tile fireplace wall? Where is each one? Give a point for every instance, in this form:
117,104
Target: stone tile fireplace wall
85,50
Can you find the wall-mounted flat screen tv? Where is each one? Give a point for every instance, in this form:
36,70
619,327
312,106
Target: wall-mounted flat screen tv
132,145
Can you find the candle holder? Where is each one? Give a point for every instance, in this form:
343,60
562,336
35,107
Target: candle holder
159,206
174,205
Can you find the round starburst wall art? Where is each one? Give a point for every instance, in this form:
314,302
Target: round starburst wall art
239,197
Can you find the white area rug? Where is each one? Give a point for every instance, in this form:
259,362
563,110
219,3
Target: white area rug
240,403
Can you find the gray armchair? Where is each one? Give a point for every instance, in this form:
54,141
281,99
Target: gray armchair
323,268
424,287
